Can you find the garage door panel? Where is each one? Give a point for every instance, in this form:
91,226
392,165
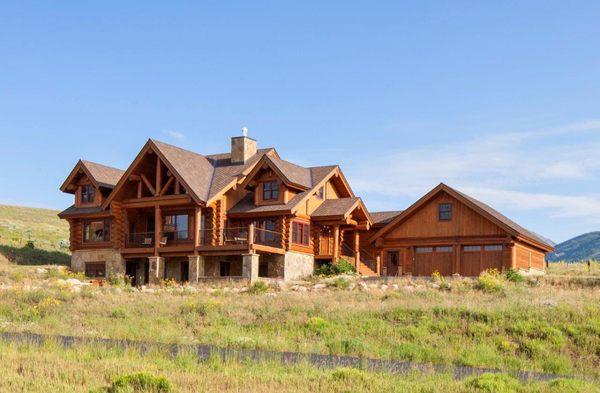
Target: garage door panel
430,259
476,259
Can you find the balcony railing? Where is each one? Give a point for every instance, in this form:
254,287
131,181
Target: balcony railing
241,236
175,238
267,237
140,239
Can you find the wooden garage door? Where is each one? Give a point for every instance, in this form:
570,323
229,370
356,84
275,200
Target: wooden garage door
476,259
431,259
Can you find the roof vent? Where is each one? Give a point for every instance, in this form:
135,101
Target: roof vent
242,148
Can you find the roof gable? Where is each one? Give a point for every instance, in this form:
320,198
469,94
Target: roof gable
100,175
489,213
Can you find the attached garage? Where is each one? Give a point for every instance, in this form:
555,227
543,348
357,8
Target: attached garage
452,233
476,258
431,259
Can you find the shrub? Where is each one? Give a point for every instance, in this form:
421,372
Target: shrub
259,287
117,280
571,386
317,325
119,313
341,283
141,382
333,269
490,281
493,383
513,275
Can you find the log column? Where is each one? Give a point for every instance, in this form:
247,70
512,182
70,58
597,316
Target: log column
157,228
336,243
357,249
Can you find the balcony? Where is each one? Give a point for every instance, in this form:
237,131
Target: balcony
240,239
140,240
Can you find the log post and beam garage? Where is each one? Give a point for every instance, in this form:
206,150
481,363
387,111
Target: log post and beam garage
452,233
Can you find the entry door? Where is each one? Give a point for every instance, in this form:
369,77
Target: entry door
325,242
392,263
131,271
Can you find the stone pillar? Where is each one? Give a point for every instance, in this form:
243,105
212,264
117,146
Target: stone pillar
196,268
250,266
157,269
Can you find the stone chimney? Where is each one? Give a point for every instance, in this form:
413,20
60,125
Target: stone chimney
242,148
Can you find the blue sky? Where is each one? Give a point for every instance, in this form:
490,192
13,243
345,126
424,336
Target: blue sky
498,100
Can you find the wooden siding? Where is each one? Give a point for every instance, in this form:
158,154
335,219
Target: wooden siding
527,257
424,223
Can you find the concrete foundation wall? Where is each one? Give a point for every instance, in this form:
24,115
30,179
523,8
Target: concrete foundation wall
297,265
115,264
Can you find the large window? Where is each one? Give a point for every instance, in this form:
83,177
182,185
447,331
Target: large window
266,230
445,211
95,269
270,191
87,194
96,231
301,233
175,226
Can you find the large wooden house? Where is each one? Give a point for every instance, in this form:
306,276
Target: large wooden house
175,214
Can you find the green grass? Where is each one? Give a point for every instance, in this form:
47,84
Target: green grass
27,367
537,326
48,234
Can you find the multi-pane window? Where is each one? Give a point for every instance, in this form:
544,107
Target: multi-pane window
87,194
445,211
96,231
270,191
175,226
424,250
301,233
493,247
265,230
95,269
443,249
472,248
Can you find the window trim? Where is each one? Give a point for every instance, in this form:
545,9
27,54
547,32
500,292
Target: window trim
90,197
272,191
177,230
443,210
105,230
301,229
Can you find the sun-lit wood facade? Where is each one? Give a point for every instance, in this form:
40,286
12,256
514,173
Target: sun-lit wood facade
178,214
451,233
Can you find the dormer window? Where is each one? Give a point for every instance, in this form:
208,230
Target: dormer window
321,193
87,194
270,191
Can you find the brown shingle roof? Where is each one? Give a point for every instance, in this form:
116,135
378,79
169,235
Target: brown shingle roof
295,174
246,205
194,168
105,176
384,217
76,211
335,207
505,220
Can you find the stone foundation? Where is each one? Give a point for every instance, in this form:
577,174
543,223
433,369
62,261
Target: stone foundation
297,265
115,264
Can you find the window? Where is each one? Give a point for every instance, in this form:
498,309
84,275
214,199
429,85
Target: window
95,269
321,193
472,248
445,211
87,194
270,191
96,231
301,233
175,226
268,232
493,247
443,249
424,250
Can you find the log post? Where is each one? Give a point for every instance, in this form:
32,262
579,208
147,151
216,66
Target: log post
157,228
336,243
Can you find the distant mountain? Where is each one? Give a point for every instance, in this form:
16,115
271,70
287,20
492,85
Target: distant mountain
580,248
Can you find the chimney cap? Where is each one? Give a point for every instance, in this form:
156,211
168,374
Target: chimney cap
245,131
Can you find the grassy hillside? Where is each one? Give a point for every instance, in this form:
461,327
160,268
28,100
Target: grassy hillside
580,248
24,227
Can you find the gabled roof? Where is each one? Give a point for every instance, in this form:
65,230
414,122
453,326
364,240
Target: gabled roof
100,175
340,208
480,207
384,217
317,176
292,175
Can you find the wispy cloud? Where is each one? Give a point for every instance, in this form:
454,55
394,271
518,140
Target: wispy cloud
500,169
176,134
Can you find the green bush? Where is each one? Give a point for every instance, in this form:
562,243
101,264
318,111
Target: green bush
333,269
493,383
341,283
317,325
140,382
259,287
490,281
513,275
571,386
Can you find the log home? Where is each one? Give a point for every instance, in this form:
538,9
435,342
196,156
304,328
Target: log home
175,214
